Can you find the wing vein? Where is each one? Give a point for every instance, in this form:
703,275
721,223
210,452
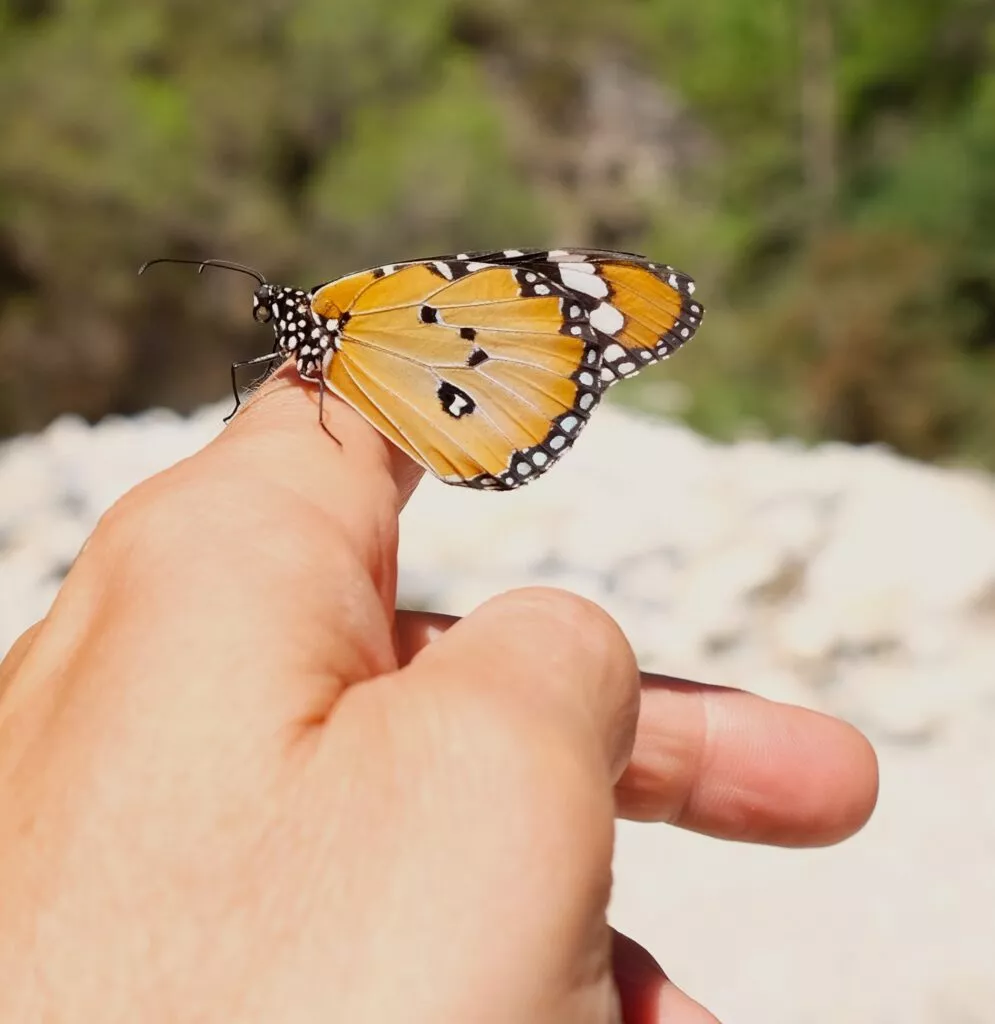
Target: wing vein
390,419
363,343
421,416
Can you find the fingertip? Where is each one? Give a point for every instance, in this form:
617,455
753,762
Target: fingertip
852,774
737,766
337,458
646,994
818,774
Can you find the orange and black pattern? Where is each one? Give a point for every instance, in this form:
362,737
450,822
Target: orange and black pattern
484,367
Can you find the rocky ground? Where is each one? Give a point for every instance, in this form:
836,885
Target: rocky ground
845,579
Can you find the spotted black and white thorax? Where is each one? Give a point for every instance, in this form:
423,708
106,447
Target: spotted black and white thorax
301,333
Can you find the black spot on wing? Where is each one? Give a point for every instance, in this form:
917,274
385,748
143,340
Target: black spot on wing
454,400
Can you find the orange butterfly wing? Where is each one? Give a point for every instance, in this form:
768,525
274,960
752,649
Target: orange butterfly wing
642,311
478,372
484,367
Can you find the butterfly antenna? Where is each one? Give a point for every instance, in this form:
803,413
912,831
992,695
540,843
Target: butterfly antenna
201,264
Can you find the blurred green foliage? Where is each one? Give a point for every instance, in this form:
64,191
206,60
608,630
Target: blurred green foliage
823,167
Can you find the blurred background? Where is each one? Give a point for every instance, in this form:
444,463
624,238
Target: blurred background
824,168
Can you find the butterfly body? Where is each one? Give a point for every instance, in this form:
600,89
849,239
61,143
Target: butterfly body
483,367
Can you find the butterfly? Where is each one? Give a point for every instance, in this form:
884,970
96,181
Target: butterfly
483,367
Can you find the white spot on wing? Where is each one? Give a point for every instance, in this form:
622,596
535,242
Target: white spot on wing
614,352
476,266
444,269
607,319
513,252
586,401
457,405
583,280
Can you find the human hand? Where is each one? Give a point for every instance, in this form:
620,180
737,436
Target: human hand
235,785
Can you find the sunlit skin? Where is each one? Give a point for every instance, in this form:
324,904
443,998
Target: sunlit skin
236,785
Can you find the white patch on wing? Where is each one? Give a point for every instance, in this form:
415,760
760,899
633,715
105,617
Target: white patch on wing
585,281
457,405
607,319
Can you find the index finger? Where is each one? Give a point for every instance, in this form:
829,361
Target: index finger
266,562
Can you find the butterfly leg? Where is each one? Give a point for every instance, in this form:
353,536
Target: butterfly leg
321,413
235,367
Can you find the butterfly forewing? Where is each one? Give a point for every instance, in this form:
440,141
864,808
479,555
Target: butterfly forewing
479,372
642,311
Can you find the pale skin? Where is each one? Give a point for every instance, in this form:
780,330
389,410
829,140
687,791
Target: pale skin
236,785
